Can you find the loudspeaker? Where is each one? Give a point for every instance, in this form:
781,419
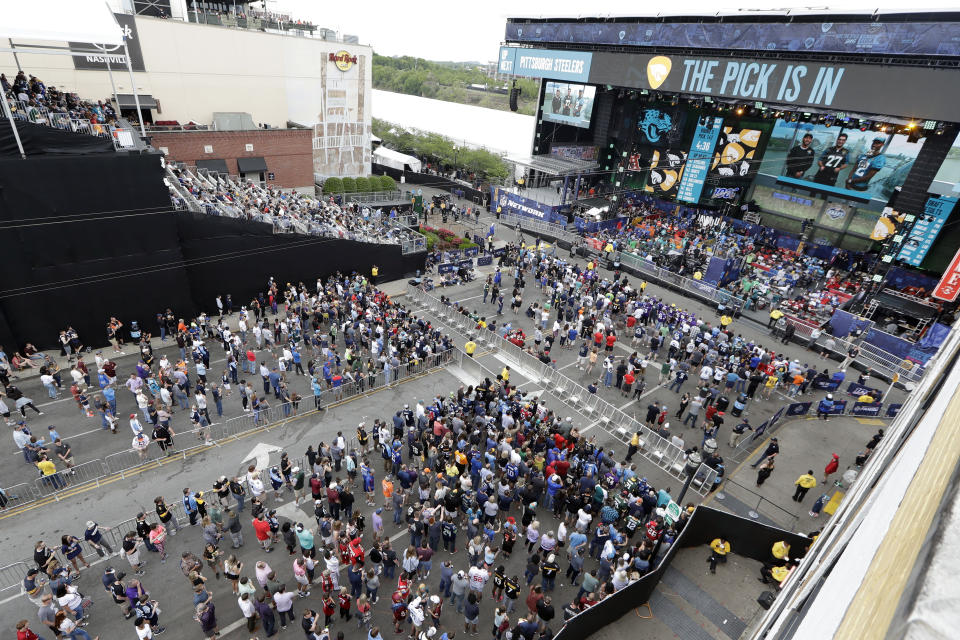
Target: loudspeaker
766,599
514,94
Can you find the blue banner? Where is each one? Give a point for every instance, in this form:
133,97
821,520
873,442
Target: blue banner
484,261
698,160
855,389
839,407
759,430
776,417
499,252
466,264
471,252
925,229
545,63
448,267
893,409
506,202
825,385
799,408
863,36
866,409
844,323
715,270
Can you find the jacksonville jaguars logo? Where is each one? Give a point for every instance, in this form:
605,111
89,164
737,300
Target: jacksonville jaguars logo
655,123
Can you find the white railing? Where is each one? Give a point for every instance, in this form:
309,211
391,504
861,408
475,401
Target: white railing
611,419
524,223
648,269
39,114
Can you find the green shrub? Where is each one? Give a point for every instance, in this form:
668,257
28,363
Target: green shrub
333,185
386,183
363,185
349,185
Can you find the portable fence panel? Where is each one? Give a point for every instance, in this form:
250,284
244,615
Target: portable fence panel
12,575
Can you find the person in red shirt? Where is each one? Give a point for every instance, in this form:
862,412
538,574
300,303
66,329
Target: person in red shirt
24,632
627,384
598,339
561,467
328,609
611,340
262,530
344,604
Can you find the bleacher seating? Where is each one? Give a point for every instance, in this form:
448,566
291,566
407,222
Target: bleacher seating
32,101
287,210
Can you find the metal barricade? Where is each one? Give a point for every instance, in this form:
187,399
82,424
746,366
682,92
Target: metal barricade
126,460
12,575
19,494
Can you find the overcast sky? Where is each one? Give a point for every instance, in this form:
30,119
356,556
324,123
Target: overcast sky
449,30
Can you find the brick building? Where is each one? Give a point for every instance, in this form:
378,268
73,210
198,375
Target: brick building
275,157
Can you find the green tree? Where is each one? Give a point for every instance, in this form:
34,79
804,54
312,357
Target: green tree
363,185
349,185
333,185
386,183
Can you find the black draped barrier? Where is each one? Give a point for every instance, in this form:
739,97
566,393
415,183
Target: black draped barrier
38,139
89,237
226,255
747,538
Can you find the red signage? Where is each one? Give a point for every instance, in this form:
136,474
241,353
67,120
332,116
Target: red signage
949,285
343,60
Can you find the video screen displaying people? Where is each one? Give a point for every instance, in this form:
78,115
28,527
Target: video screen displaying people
568,103
844,161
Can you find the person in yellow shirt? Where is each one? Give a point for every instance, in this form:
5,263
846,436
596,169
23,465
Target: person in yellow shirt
505,374
720,549
776,573
697,275
866,399
781,550
590,266
775,315
470,347
633,446
804,483
643,287
374,272
49,472
725,321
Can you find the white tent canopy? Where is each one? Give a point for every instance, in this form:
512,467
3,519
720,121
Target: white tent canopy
60,21
395,159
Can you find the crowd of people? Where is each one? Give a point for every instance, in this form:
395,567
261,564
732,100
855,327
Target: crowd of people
31,100
767,274
345,332
485,473
288,209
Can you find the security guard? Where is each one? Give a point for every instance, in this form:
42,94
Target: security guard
804,483
470,347
720,549
374,272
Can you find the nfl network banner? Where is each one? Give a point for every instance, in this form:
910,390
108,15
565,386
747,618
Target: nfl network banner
484,261
776,417
854,389
505,202
545,63
866,409
760,430
893,409
825,385
838,408
798,408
